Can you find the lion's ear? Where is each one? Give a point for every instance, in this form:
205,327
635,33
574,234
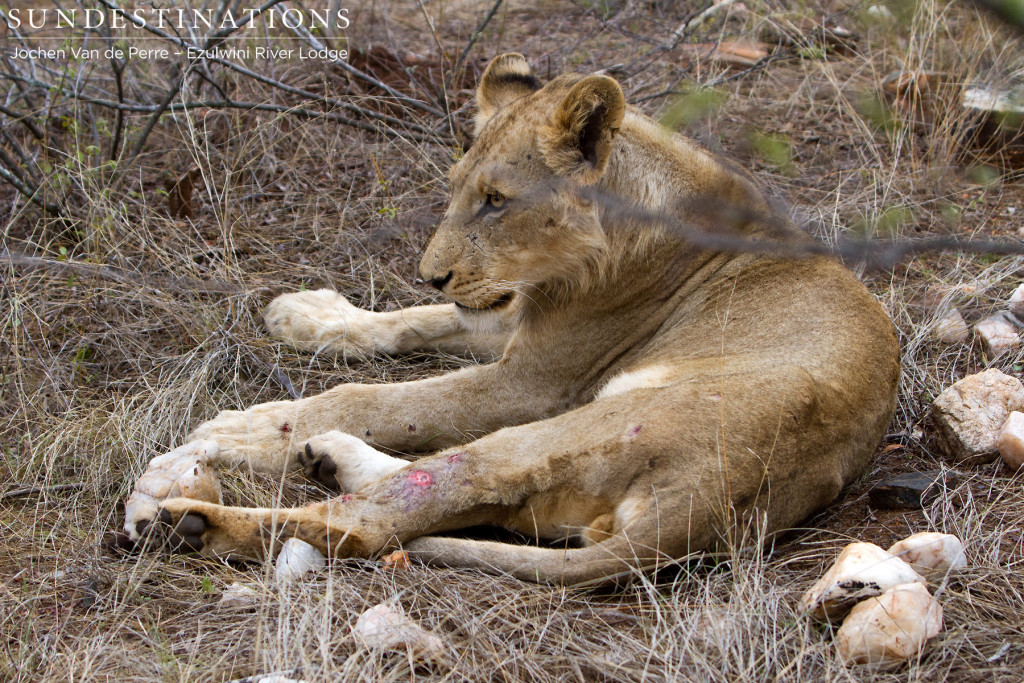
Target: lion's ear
508,77
577,141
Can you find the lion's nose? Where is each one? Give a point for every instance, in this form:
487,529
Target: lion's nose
438,283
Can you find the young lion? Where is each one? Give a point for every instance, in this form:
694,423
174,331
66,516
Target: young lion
649,394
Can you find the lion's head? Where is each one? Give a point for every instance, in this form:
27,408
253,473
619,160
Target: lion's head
514,225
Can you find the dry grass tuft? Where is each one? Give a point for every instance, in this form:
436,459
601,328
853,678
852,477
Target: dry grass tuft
100,373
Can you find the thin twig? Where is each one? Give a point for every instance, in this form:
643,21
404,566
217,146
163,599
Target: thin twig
30,193
23,119
157,113
278,84
345,66
472,41
281,377
32,490
161,286
428,136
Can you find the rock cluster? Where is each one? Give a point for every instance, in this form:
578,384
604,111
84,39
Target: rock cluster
998,333
980,416
882,596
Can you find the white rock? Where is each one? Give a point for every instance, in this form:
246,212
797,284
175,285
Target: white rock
238,595
892,627
1011,440
385,627
951,328
862,570
296,559
997,334
968,415
880,12
184,472
930,553
1017,301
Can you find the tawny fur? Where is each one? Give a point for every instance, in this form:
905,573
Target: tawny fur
775,379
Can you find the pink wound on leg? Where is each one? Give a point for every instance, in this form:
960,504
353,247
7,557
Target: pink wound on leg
420,478
456,457
635,430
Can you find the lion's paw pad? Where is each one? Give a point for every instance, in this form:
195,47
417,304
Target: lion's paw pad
183,473
185,536
319,466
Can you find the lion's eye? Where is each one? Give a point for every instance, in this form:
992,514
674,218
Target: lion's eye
496,200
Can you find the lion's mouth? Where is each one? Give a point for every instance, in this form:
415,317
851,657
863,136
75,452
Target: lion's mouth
502,300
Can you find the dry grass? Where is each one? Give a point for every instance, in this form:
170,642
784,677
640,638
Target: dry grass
98,376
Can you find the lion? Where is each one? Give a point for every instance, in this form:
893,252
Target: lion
648,395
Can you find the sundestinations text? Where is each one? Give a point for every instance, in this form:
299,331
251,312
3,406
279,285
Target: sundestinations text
176,18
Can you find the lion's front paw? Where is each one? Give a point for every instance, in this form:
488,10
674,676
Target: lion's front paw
343,462
267,436
184,472
320,320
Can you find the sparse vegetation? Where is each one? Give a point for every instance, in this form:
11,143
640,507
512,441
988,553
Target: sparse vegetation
121,327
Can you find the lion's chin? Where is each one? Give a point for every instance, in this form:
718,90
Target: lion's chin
502,301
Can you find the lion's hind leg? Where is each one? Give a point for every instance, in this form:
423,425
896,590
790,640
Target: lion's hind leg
614,560
186,525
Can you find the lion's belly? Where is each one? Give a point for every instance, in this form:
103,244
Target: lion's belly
558,514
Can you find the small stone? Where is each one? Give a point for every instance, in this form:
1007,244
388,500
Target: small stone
1017,301
892,627
951,328
862,570
1011,441
879,12
296,559
930,553
238,596
1006,103
911,490
967,416
385,627
997,334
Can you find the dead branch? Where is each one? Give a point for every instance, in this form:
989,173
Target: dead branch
23,119
33,490
29,192
348,68
155,116
330,101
